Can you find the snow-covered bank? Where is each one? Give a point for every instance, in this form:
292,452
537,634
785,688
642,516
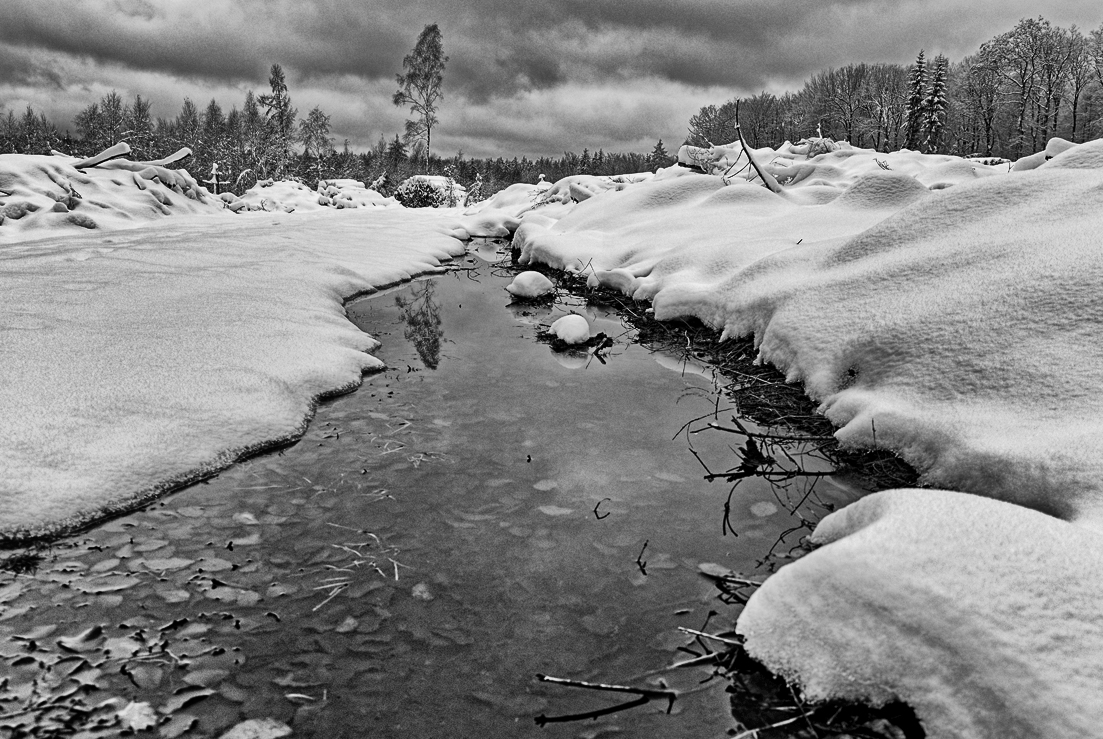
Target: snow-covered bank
135,359
936,306
984,616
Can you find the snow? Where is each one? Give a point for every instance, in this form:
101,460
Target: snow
946,309
138,359
530,285
451,189
571,329
290,196
984,616
44,196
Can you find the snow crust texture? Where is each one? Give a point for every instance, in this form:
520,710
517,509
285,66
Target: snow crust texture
985,629
949,310
140,359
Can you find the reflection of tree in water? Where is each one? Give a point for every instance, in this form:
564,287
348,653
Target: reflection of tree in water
422,318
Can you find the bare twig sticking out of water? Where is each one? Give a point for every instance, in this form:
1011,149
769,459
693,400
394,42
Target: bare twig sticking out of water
639,558
714,637
645,696
600,516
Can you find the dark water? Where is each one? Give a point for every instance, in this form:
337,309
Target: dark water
430,546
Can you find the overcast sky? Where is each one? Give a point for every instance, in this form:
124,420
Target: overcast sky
524,77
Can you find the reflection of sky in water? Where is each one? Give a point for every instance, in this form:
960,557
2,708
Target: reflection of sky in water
476,484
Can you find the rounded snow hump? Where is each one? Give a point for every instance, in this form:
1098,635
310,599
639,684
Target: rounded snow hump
1088,155
879,190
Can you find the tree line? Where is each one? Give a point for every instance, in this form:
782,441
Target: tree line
265,139
1017,91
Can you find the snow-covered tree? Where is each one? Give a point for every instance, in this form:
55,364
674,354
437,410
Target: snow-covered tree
138,125
419,86
917,89
314,135
188,125
279,123
934,105
713,125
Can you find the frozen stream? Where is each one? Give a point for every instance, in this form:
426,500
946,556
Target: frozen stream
427,548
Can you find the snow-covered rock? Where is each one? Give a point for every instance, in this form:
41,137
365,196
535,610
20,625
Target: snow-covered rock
530,285
571,329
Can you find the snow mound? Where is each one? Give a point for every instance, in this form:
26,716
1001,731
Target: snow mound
571,329
487,223
831,166
952,603
530,285
513,199
42,196
290,196
135,365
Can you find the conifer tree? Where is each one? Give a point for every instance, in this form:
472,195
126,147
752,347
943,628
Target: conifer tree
395,154
279,122
917,87
934,105
658,157
188,125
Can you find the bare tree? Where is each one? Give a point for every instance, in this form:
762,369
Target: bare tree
419,86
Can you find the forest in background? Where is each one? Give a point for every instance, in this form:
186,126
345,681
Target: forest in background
1018,90
266,139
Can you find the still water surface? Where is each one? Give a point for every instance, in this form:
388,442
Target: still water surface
432,543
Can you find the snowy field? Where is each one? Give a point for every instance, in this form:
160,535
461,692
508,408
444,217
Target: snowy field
947,309
140,358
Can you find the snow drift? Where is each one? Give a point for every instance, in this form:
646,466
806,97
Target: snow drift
946,309
138,360
955,603
43,196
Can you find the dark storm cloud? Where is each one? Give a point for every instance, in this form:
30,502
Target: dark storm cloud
21,69
527,63
493,44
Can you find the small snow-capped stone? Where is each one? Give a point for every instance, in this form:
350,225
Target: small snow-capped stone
530,285
572,329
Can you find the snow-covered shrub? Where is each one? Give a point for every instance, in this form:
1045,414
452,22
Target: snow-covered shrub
419,193
475,192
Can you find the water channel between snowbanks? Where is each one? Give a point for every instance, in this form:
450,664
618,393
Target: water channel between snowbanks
484,510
